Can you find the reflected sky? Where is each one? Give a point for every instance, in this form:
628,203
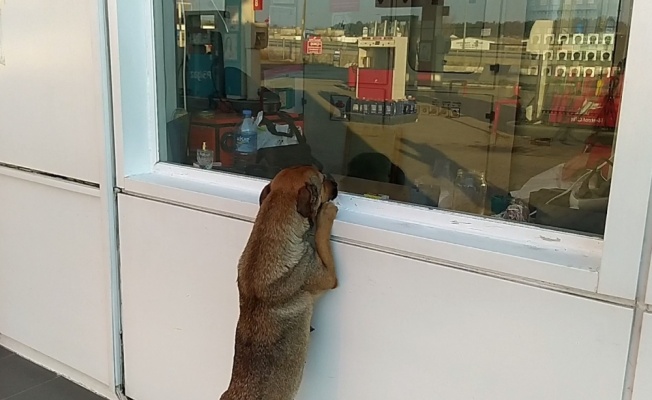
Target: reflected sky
321,15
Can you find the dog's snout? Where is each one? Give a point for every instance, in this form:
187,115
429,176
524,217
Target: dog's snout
333,189
331,185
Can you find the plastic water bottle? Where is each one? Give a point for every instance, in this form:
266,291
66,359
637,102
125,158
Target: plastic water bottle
470,192
246,142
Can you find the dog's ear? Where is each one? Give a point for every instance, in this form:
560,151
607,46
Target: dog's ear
307,201
266,190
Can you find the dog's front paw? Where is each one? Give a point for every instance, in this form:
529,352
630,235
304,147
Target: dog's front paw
328,212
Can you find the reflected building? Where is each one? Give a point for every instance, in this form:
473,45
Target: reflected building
576,16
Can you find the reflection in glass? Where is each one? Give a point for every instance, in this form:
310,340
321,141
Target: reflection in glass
503,108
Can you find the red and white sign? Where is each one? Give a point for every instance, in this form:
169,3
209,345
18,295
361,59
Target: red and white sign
258,5
314,45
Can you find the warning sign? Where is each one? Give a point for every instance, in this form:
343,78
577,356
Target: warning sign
314,45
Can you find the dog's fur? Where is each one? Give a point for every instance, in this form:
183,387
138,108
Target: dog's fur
286,264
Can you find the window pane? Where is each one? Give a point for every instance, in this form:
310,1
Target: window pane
504,108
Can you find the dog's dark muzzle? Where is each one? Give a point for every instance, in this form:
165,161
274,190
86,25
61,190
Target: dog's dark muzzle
333,187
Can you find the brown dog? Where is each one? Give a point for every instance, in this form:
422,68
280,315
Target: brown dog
286,264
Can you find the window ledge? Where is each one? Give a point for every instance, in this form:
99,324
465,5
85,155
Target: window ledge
484,245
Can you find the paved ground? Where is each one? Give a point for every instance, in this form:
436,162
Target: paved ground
427,148
21,379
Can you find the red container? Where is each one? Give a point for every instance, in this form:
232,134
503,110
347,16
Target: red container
424,79
352,78
375,84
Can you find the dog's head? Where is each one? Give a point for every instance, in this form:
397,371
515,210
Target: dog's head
310,187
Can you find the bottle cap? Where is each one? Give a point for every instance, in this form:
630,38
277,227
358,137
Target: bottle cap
246,113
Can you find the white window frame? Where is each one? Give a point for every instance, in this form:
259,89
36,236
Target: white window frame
2,54
527,253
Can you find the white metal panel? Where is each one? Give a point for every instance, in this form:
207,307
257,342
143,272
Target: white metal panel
395,328
642,382
632,175
54,277
550,257
546,257
180,308
134,86
137,152
50,93
648,297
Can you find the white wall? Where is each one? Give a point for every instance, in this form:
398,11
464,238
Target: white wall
642,382
54,273
394,329
648,295
54,264
50,87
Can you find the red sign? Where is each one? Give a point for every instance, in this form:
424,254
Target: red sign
314,45
258,5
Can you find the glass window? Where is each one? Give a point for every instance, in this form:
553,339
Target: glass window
502,108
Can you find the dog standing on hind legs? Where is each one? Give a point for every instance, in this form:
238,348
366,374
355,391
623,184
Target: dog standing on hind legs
286,264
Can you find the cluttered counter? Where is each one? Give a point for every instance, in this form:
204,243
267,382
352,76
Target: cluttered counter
373,166
215,134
